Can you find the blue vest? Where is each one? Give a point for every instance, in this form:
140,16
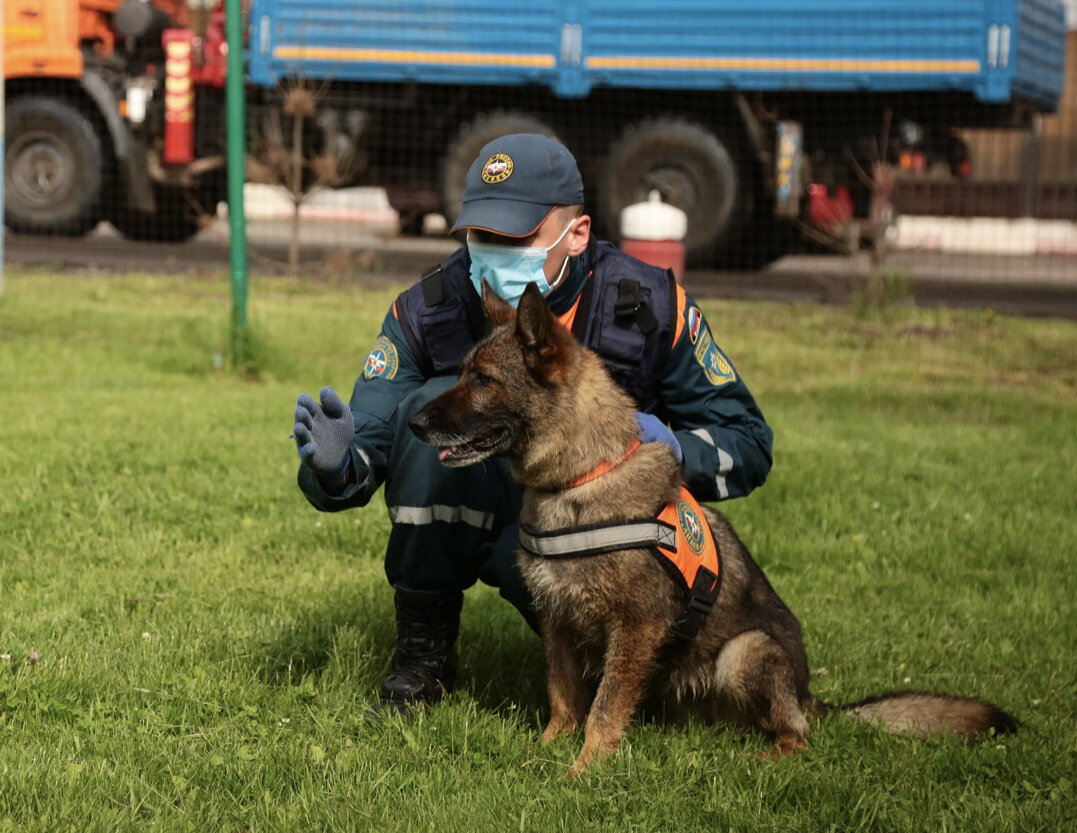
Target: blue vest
627,314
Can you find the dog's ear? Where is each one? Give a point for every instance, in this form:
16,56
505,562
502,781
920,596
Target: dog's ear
536,331
498,311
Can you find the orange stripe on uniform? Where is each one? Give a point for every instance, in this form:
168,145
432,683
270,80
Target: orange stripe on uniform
569,318
682,302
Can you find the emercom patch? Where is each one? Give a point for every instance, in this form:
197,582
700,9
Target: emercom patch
381,361
498,168
717,367
691,526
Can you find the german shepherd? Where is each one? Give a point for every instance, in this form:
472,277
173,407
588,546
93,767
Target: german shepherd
530,392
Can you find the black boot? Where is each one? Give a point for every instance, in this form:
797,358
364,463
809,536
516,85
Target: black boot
427,624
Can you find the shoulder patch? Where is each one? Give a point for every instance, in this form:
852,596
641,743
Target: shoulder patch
695,323
717,367
381,361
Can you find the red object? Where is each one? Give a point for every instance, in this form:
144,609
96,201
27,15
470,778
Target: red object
829,212
214,67
179,96
667,254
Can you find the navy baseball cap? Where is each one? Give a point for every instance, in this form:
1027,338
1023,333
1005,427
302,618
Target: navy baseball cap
515,182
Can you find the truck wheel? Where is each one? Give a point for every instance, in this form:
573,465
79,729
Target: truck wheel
692,169
466,146
54,165
176,218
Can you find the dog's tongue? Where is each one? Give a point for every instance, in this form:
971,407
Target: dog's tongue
443,453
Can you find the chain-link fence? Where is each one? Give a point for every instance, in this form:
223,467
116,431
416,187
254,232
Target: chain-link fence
778,128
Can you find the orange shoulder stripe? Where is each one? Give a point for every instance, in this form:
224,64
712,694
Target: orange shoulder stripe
682,302
568,318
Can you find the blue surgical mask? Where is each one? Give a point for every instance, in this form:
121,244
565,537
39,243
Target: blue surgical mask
509,269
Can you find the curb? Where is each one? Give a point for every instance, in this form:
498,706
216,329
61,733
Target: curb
985,235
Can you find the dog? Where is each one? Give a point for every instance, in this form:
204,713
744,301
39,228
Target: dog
612,621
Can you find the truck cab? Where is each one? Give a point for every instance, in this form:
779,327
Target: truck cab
86,120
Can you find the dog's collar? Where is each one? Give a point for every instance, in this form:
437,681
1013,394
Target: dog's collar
602,468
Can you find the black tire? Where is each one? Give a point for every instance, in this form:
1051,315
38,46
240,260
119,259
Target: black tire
466,146
175,220
692,169
55,164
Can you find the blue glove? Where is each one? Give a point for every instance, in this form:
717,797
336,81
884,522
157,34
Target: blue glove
653,430
323,434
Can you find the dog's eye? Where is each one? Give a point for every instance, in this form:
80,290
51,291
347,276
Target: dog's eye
483,378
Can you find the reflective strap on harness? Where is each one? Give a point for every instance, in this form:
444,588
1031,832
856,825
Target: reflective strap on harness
595,540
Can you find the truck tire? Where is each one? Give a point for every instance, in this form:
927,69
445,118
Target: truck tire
55,168
693,170
466,146
175,220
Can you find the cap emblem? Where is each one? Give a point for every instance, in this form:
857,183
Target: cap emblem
498,168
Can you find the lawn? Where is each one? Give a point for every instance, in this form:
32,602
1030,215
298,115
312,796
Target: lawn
185,644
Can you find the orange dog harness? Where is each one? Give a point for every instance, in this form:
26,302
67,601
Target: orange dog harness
680,538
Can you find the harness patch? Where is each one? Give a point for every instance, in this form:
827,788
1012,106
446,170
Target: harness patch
695,552
381,361
691,526
716,366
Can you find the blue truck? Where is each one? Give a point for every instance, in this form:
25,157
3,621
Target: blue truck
729,108
749,115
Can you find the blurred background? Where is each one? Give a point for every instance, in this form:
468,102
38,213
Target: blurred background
933,139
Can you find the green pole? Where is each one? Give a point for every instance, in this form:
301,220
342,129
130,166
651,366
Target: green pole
3,155
237,143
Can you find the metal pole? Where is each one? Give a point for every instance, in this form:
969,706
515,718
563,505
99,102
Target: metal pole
237,143
1030,166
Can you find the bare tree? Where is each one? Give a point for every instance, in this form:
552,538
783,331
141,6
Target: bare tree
292,164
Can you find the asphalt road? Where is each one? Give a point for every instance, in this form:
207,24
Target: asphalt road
1042,285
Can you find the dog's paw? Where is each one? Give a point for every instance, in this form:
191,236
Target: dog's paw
783,748
558,726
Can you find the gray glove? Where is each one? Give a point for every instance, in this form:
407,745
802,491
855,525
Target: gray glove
323,433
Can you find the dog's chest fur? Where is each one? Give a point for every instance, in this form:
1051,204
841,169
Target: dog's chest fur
587,593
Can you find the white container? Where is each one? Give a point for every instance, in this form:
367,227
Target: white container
652,231
653,220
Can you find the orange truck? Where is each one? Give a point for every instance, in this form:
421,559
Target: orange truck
103,120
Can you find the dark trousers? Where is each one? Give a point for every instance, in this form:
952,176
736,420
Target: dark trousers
450,526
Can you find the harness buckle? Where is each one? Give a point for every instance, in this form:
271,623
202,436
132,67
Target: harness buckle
701,599
629,304
627,297
433,286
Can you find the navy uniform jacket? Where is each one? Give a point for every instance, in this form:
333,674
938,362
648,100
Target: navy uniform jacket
725,439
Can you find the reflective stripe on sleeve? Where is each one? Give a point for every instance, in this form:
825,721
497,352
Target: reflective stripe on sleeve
725,462
424,515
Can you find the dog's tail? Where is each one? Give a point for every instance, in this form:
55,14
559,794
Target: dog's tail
926,713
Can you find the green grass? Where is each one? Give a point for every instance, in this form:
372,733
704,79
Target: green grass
208,644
